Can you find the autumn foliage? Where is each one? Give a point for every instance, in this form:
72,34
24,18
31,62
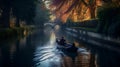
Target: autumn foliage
77,10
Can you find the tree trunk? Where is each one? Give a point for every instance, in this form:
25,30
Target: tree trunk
5,20
92,9
92,12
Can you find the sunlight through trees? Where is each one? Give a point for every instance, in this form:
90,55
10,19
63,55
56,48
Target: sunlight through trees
77,10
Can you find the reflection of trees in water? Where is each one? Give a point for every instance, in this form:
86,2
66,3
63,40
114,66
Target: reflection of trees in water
7,52
108,58
79,61
92,60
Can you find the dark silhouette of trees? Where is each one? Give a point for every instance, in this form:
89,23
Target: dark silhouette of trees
24,10
21,9
5,6
42,14
109,17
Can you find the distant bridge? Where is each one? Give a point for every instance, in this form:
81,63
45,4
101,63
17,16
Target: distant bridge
49,24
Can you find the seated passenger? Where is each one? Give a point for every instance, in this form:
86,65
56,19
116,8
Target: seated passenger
62,41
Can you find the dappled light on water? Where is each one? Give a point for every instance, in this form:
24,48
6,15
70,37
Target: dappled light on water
52,38
48,55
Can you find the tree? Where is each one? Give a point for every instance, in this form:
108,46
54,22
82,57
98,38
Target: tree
77,10
24,10
21,9
109,18
42,14
5,6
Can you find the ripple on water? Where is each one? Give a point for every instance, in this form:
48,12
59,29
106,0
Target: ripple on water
50,56
47,57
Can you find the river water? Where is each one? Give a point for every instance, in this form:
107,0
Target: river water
39,50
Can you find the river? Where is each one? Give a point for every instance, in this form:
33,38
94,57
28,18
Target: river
39,50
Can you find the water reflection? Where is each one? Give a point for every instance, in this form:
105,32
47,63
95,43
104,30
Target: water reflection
49,56
39,50
17,52
46,56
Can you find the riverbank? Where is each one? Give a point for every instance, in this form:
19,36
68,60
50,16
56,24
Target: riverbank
8,33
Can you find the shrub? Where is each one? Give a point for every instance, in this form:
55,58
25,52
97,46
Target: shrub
109,17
